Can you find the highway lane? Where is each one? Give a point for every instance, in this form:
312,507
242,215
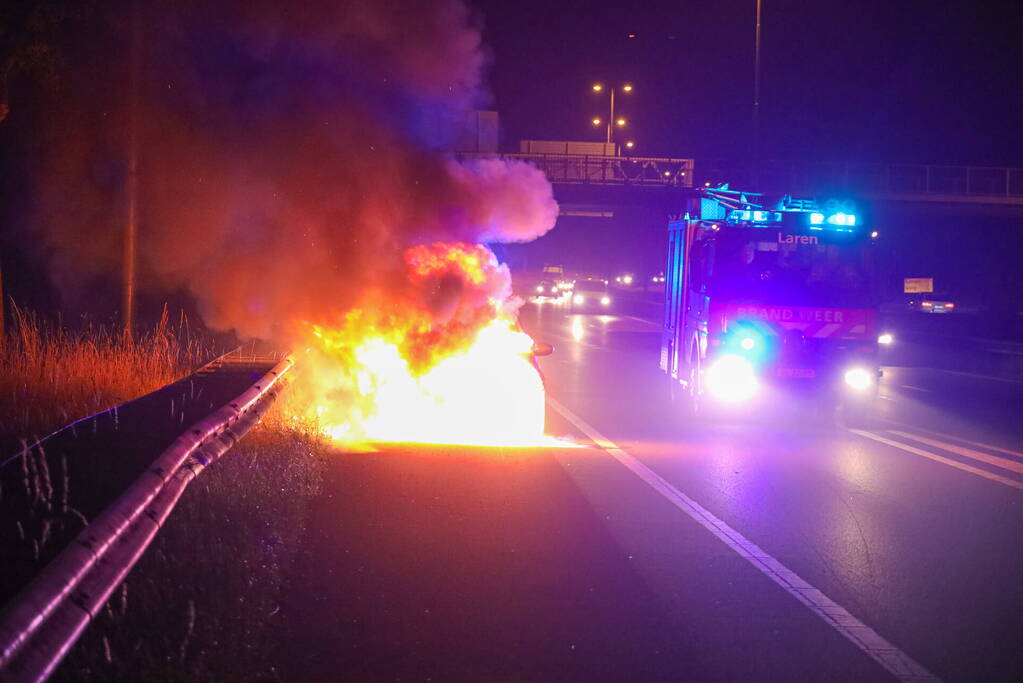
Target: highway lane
916,535
451,563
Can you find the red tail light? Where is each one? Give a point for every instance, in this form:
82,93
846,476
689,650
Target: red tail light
950,305
927,304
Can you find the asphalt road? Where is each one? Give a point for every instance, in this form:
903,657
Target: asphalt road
779,548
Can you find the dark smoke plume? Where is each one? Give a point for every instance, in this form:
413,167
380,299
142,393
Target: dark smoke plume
290,152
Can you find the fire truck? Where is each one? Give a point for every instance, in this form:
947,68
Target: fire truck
768,298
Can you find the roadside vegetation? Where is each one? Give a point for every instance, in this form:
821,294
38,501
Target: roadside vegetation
51,375
201,603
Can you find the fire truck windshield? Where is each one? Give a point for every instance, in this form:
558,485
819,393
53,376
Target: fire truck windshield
768,268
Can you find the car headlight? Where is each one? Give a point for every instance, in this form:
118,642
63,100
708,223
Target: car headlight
539,288
858,379
605,300
578,299
731,379
886,339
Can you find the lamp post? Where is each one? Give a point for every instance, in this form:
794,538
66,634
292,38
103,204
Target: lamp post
756,89
612,120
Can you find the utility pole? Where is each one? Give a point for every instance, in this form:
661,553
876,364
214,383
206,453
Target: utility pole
131,189
756,92
3,308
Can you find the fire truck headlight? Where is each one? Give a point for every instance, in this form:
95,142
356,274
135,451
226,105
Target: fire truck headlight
858,379
605,300
578,299
539,288
731,379
886,339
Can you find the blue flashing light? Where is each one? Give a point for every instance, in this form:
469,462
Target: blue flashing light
753,216
748,341
816,218
844,219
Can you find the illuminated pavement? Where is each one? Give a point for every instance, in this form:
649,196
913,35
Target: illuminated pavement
899,543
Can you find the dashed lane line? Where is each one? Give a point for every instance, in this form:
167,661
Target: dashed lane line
938,458
942,435
1003,463
894,660
977,375
642,320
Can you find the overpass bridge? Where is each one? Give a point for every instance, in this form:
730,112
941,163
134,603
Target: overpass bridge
942,184
613,212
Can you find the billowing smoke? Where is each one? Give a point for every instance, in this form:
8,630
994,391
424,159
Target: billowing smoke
290,154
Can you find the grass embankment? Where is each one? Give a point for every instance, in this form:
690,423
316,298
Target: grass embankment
50,375
201,602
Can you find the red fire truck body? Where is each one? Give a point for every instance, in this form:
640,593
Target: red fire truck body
767,295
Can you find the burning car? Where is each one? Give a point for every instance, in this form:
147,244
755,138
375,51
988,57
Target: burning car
445,362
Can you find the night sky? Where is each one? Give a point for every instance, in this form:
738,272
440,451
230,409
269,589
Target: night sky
905,81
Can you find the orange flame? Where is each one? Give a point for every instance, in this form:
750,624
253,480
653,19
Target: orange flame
443,362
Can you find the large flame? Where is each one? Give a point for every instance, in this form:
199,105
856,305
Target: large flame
444,362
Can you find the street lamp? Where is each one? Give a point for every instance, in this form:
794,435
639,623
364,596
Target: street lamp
611,119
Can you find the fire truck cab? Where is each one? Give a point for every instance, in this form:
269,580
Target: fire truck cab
767,296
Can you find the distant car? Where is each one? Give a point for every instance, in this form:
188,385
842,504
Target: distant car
546,289
932,303
590,295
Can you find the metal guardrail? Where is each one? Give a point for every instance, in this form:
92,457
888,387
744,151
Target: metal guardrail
935,182
588,169
41,624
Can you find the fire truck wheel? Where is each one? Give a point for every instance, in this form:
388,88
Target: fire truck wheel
674,390
691,399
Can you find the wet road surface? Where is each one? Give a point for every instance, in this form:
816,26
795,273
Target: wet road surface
777,549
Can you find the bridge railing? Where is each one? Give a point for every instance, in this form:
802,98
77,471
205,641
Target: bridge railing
607,170
933,181
872,179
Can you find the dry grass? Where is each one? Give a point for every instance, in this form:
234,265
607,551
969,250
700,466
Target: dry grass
50,376
202,602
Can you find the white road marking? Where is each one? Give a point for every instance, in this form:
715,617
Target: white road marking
894,660
945,461
942,435
977,375
915,388
1003,463
642,320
